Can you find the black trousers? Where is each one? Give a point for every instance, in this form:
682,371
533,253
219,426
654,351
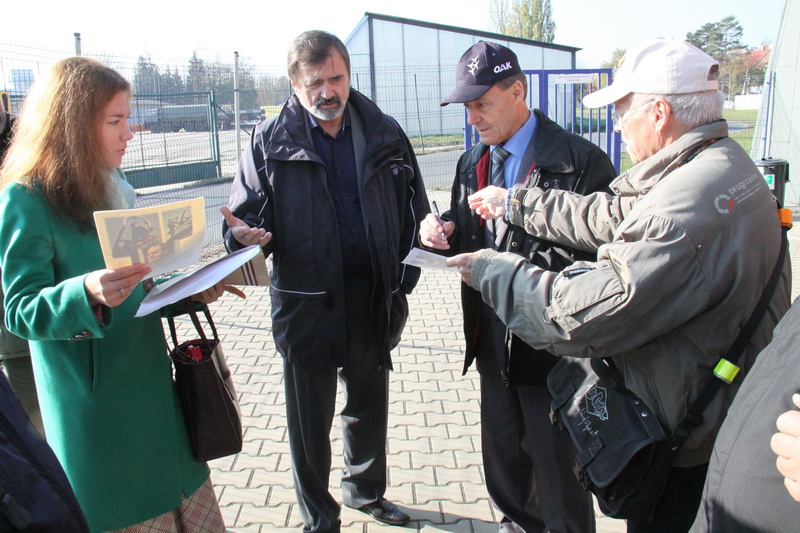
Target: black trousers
310,407
526,460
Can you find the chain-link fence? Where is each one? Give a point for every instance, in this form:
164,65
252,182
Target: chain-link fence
184,115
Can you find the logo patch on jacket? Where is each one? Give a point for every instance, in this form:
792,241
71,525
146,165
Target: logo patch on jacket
725,202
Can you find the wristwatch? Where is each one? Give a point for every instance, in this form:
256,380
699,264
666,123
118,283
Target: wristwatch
509,200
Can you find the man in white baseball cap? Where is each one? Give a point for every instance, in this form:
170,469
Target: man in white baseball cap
685,244
655,73
661,66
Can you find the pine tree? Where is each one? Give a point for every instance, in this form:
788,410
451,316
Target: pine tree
722,40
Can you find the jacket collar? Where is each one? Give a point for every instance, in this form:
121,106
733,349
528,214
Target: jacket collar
641,178
291,136
552,146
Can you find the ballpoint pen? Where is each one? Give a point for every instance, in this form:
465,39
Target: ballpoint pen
438,218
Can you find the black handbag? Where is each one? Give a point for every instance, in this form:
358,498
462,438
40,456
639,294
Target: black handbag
206,393
623,453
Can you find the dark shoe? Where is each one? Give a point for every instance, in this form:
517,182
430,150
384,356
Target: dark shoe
385,511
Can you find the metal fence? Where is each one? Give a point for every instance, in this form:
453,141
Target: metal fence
185,118
177,139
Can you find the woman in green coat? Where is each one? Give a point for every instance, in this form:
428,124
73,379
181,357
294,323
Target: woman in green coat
108,403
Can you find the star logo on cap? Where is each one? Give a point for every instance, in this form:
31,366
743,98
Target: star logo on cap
473,65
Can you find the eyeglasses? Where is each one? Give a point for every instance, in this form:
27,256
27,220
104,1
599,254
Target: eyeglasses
618,118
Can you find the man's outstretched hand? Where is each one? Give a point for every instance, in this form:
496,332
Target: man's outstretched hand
244,234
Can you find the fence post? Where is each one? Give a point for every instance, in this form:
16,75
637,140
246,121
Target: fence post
217,154
419,118
236,106
767,118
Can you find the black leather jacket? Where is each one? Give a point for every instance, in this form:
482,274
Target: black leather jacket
563,161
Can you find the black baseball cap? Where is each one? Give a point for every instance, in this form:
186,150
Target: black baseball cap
483,65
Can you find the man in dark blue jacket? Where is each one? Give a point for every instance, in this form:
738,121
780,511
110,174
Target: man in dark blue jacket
528,463
331,189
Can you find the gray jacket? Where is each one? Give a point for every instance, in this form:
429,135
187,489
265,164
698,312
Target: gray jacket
692,234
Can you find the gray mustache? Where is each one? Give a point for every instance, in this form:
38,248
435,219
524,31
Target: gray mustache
323,101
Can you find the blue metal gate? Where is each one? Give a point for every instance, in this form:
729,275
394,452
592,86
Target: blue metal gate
559,93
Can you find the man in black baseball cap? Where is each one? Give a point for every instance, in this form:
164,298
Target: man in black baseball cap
528,463
479,69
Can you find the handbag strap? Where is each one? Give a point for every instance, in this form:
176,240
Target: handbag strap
196,321
694,417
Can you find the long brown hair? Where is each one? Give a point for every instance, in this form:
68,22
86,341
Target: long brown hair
56,141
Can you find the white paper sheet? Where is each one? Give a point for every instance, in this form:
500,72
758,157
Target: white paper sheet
424,259
197,280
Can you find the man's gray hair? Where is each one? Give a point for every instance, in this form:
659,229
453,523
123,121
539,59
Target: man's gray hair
313,48
691,110
506,83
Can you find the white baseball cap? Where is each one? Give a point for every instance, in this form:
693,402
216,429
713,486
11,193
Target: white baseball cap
659,66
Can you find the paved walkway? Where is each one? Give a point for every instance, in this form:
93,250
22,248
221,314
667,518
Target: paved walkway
435,471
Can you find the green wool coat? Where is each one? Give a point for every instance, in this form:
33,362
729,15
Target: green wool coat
108,401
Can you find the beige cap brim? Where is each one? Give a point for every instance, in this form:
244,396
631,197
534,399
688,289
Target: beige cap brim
608,95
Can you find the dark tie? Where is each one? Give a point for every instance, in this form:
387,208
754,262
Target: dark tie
499,155
497,228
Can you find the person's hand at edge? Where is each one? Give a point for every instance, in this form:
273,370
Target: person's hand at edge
786,445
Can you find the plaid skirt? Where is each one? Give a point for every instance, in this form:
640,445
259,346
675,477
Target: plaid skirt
199,512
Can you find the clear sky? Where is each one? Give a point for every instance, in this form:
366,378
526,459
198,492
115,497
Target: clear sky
261,31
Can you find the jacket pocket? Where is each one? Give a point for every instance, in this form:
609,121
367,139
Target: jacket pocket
298,294
94,354
582,293
308,327
398,315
